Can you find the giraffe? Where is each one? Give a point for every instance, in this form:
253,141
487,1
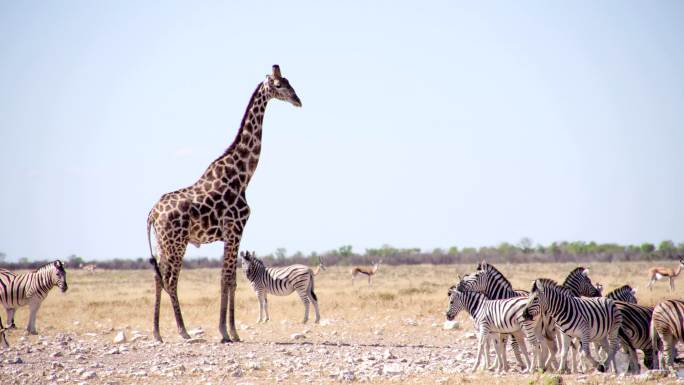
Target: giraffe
213,209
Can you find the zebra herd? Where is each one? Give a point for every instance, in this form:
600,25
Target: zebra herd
573,314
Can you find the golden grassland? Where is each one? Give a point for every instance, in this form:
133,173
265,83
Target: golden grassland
380,314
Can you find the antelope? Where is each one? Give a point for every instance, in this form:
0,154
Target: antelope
369,271
657,273
320,267
89,267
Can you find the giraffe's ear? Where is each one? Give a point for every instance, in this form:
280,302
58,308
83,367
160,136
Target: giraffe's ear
276,71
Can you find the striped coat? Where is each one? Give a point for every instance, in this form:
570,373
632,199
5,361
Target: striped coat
667,325
279,281
17,290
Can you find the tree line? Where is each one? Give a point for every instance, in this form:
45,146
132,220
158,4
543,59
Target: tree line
522,252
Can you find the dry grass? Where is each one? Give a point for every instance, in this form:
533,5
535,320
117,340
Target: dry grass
360,314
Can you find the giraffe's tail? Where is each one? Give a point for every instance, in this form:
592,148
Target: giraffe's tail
153,260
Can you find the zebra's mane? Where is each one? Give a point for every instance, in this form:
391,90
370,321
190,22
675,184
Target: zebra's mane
488,268
56,264
620,290
575,272
550,284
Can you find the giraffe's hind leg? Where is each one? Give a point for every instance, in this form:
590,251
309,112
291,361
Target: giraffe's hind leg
157,305
173,294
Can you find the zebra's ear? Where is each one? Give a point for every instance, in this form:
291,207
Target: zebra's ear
585,272
244,255
634,290
459,278
58,264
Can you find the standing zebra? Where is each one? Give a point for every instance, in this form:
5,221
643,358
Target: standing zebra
279,281
494,316
3,340
588,319
31,288
623,293
667,324
634,333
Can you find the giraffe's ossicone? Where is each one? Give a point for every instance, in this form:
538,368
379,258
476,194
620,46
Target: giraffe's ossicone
213,209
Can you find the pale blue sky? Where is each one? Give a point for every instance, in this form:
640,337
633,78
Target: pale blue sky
424,124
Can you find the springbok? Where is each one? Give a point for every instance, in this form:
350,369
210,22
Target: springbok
369,271
320,267
657,273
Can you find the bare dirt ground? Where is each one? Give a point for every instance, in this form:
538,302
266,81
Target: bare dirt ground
391,332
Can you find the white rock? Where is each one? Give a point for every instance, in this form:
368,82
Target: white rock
392,369
451,325
112,351
411,322
196,332
196,341
297,336
388,355
254,365
120,337
88,375
346,375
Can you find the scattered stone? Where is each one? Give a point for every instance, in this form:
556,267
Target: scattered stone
254,365
196,332
411,322
346,375
297,336
88,375
392,369
196,341
388,355
112,351
56,354
451,325
120,337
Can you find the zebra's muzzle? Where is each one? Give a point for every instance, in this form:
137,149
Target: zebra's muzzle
526,315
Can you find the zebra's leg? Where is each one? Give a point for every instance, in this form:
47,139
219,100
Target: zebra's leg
260,300
34,305
314,301
500,350
10,318
520,337
157,305
3,339
305,300
481,339
669,343
515,346
266,317
564,353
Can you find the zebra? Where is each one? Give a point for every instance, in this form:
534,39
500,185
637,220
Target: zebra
31,288
623,293
667,324
279,281
494,285
503,316
589,319
634,333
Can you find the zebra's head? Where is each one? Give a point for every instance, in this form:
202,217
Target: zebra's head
59,274
579,283
250,263
476,281
456,303
533,306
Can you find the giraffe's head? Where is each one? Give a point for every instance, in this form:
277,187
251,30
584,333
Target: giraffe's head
279,87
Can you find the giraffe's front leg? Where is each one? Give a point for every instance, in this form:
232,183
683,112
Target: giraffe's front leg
229,283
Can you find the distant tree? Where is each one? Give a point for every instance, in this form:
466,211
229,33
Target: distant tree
525,244
666,246
453,250
298,254
647,247
438,251
23,261
345,251
2,257
541,249
74,261
281,253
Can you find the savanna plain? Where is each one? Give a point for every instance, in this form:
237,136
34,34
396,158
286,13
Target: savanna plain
389,332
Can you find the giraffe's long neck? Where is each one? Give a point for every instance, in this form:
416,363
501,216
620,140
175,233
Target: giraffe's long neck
243,153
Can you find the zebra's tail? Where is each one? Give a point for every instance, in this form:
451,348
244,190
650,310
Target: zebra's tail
153,260
654,345
312,287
